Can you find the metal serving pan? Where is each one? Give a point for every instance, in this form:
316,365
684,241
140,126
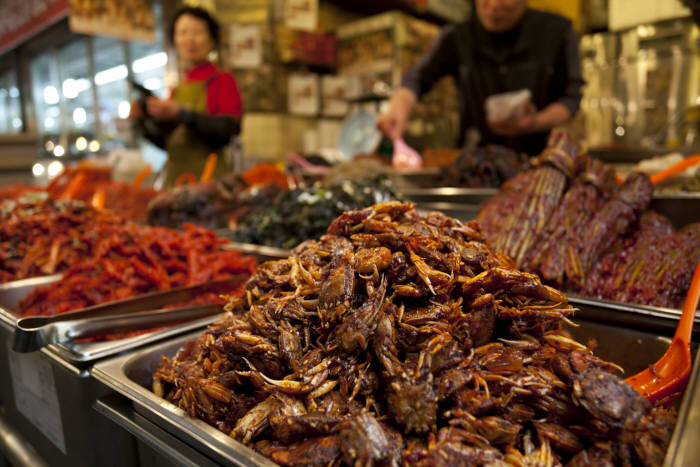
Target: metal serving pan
622,341
474,196
131,375
261,252
680,208
75,353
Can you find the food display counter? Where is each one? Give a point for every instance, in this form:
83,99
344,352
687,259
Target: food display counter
69,397
630,336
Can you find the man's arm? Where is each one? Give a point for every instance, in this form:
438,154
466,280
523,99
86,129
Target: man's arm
561,110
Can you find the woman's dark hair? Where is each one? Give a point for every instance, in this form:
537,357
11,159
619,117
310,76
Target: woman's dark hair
199,13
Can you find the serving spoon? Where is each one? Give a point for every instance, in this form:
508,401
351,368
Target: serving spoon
667,378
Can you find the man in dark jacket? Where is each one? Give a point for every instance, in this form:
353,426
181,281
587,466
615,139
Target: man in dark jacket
506,47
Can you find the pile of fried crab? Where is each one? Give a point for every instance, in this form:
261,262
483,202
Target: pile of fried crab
402,339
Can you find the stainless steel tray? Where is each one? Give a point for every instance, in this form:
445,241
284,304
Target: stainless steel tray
80,354
624,343
261,252
12,292
131,375
449,195
680,208
653,318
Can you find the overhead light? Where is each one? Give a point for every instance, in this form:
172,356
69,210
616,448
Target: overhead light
49,122
54,168
110,75
620,131
79,116
94,146
72,87
58,151
50,95
38,169
153,84
14,92
16,122
150,62
81,143
49,145
123,109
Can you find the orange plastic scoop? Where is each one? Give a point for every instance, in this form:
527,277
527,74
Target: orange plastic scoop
141,176
674,169
667,378
185,177
73,186
209,167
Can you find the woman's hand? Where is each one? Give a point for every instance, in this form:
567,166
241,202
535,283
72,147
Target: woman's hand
394,121
162,109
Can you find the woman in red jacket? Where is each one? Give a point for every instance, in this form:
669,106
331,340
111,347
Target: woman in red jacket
204,110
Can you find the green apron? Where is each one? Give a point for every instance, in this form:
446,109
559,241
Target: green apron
187,152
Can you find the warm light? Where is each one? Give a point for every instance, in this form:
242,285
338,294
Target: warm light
111,74
150,62
38,169
58,151
55,168
81,143
49,145
619,131
50,95
153,84
94,146
123,109
79,116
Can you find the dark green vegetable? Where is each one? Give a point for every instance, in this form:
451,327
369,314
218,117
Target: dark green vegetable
305,213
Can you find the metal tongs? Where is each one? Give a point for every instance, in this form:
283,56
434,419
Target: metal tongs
142,311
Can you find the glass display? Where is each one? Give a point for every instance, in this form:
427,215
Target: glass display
10,113
78,116
45,91
111,75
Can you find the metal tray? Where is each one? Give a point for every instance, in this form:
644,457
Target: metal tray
80,354
261,252
680,208
474,196
625,342
131,375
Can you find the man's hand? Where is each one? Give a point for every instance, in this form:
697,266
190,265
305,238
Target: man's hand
394,121
162,109
523,125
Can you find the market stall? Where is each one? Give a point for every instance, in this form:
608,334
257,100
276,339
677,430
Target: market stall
401,234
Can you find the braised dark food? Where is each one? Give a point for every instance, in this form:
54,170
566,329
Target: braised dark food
568,221
487,166
401,339
213,205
